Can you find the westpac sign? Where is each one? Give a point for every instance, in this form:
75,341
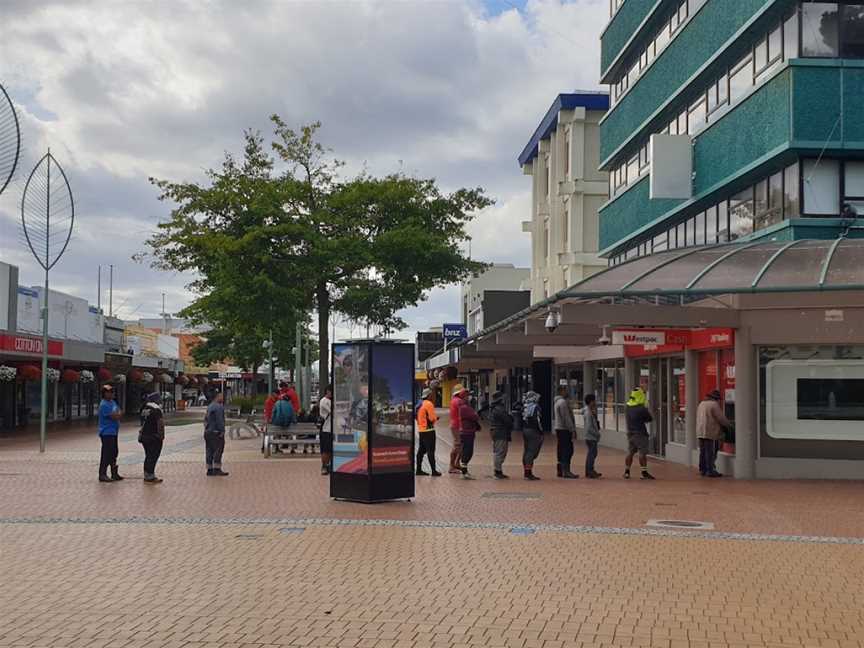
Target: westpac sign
641,338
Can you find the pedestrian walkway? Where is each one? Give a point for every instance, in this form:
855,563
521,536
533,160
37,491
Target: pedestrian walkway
265,558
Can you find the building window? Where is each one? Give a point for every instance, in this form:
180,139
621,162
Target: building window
821,187
854,185
791,201
820,29
711,225
566,227
546,241
567,154
741,214
548,176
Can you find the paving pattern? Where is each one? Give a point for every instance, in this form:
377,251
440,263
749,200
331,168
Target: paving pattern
264,558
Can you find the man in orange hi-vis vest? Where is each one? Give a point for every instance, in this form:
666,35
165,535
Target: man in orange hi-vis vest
426,419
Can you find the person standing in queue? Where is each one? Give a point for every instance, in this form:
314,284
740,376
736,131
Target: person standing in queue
426,419
502,432
469,425
214,436
152,435
109,428
638,417
591,424
565,429
455,430
532,433
711,424
325,436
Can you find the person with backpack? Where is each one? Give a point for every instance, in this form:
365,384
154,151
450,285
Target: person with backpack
638,417
325,436
469,425
426,419
502,430
283,418
532,433
152,435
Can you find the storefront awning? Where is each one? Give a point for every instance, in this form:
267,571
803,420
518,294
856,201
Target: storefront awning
733,268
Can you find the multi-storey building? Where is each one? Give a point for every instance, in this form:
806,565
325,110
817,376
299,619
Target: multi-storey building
567,191
767,92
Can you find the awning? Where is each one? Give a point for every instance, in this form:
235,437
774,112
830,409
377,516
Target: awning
733,268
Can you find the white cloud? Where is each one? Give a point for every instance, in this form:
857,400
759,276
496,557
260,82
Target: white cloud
124,90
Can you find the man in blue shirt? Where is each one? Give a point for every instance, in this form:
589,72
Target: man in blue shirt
109,428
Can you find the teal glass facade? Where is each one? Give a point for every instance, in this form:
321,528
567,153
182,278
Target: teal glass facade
769,92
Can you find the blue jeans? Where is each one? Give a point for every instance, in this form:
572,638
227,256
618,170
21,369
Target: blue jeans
707,456
591,457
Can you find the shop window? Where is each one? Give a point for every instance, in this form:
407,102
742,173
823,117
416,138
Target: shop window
791,202
741,214
820,29
821,187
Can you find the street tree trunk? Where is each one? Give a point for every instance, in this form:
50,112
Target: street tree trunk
323,299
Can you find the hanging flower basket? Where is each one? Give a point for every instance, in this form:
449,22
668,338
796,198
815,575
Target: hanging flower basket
71,376
120,379
136,376
87,376
7,374
147,377
203,380
167,379
53,374
182,380
29,372
104,375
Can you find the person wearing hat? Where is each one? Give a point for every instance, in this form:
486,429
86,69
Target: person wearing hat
501,425
711,425
459,392
426,419
109,428
152,435
532,433
638,417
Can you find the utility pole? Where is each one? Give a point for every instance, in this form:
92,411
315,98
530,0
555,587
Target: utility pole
99,291
164,317
298,349
270,368
111,290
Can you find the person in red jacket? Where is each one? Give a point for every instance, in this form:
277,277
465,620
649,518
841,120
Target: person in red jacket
269,404
455,428
469,424
289,391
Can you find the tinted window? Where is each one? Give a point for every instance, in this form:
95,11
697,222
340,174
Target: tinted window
831,399
853,31
820,29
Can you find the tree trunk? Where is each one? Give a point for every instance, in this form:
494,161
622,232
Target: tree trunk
255,378
323,299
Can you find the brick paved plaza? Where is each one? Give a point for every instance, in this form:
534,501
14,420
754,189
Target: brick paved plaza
264,558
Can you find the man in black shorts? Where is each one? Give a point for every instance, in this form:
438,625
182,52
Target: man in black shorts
638,417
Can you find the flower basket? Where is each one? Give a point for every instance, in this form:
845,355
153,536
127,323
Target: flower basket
87,376
104,375
120,379
203,380
53,374
182,380
7,374
29,372
135,376
168,379
147,377
71,376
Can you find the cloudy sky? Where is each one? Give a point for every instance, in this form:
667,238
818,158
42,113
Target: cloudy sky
124,90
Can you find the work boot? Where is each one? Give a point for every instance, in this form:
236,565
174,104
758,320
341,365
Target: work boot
566,474
209,472
115,474
499,474
646,475
529,474
152,479
435,473
218,472
594,475
420,472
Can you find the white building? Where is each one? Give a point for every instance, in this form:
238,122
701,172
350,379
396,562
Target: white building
493,292
567,192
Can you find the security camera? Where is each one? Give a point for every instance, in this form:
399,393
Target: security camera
604,338
552,321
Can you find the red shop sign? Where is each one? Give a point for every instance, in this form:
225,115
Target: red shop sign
712,338
29,345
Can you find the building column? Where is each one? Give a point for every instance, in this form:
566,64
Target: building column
589,379
691,400
745,406
631,375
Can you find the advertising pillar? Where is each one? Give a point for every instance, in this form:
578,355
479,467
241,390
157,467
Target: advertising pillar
373,421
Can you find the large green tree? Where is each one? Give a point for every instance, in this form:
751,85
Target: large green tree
270,240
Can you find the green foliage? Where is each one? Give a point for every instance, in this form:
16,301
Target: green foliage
248,403
268,245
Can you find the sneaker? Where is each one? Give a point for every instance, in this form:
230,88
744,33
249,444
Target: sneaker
218,472
467,475
626,474
421,473
569,475
532,477
325,470
435,473
152,480
501,475
646,475
593,475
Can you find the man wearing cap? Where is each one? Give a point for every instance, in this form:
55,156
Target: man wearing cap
152,435
456,428
711,424
638,417
109,428
426,419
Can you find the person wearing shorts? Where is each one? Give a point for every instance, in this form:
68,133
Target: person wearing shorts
638,418
459,392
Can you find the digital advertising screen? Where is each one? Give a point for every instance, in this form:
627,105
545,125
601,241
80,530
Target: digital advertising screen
392,408
350,408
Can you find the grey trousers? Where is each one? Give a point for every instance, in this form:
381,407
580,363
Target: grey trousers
499,449
214,444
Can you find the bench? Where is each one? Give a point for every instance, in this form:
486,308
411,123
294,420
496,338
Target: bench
299,435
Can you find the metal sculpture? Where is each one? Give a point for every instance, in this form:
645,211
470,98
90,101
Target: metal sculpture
10,139
47,216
